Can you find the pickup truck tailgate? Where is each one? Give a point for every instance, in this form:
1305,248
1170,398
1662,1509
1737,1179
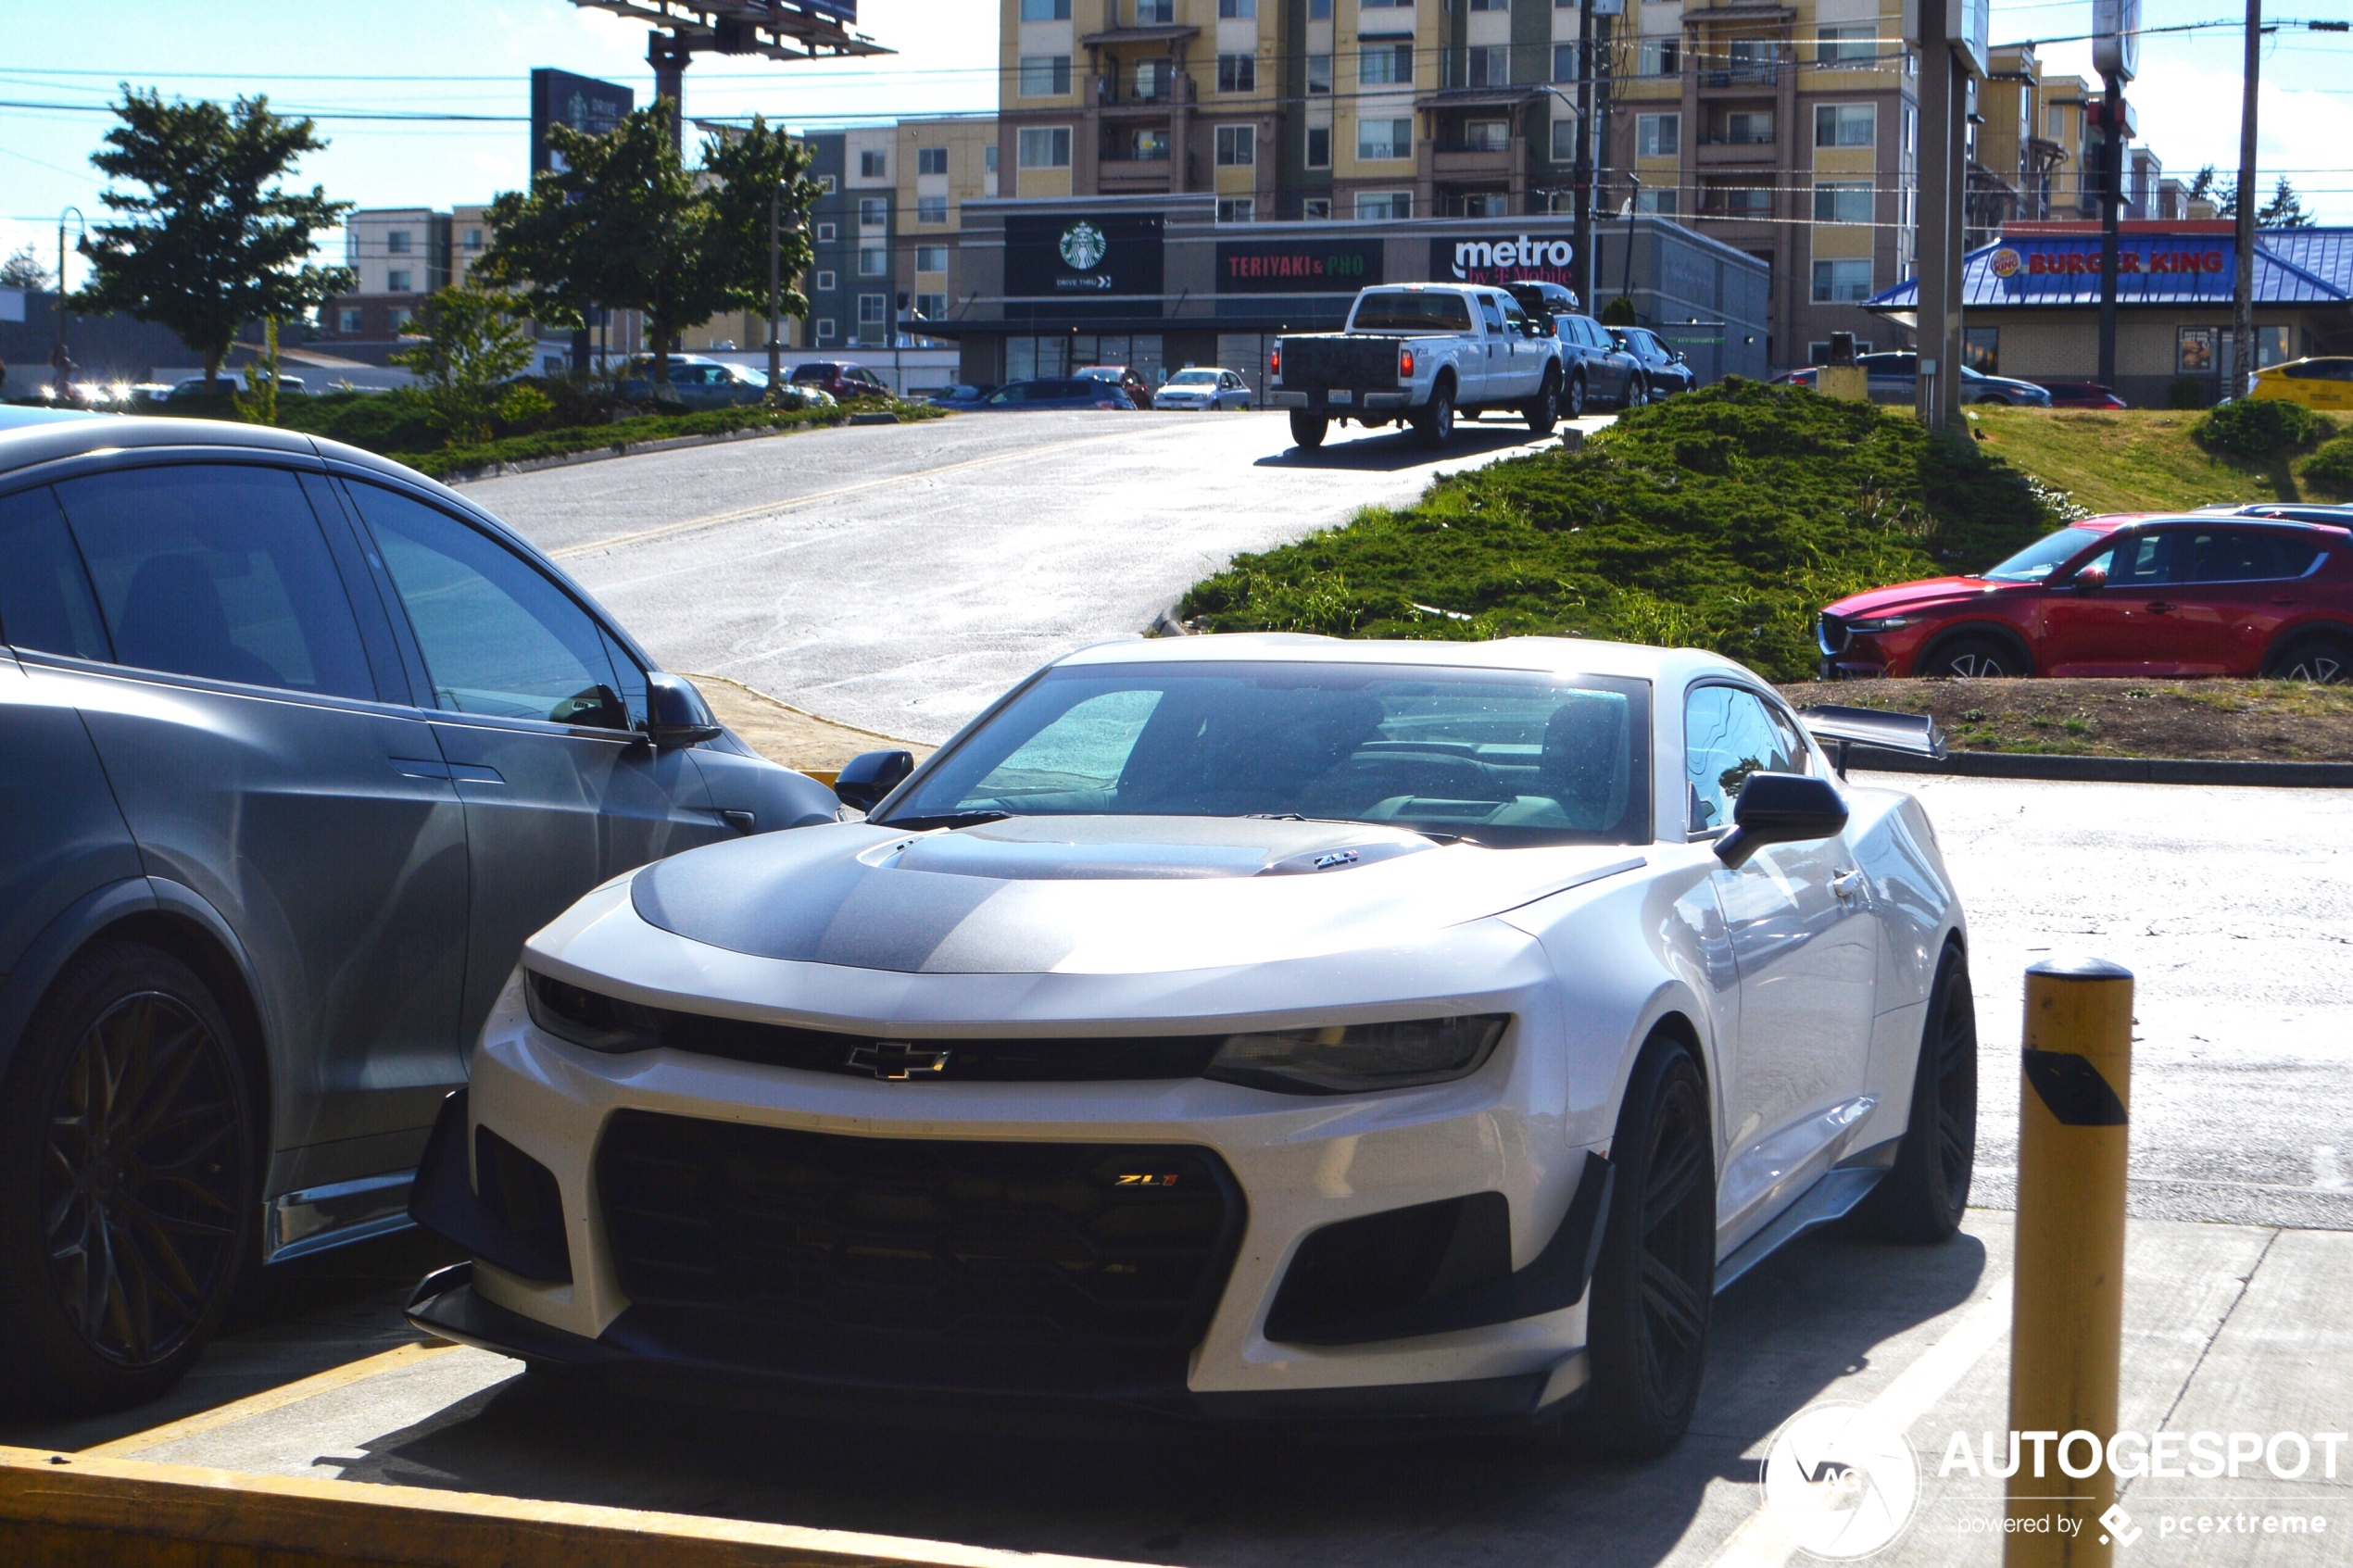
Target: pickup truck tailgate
1324,361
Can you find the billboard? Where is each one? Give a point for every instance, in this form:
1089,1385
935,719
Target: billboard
1081,254
1307,266
2116,38
1542,258
557,97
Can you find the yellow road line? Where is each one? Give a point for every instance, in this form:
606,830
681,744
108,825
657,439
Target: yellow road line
270,1400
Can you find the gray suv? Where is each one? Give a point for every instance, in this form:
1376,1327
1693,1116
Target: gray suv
296,747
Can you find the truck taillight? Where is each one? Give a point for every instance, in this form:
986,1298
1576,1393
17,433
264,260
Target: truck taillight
1404,364
1275,360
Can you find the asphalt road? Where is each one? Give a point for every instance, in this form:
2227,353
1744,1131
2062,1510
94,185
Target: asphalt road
898,577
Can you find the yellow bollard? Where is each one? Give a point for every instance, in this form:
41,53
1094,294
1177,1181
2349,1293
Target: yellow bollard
1850,382
2068,1297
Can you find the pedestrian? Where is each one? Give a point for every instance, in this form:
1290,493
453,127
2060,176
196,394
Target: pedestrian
61,369
3,380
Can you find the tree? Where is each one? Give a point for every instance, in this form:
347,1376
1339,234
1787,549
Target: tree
2284,210
623,223
474,340
215,240
23,271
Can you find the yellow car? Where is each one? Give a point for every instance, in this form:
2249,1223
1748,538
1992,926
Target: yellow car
2316,383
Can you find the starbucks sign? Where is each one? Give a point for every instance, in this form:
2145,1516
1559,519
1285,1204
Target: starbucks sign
1105,254
1083,246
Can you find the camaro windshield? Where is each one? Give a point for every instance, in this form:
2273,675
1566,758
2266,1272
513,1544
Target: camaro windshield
1501,758
2034,562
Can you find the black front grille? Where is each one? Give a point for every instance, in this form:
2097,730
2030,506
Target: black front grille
888,1251
1037,1060
1830,633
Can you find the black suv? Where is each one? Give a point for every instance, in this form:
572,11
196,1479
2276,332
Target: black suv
1665,370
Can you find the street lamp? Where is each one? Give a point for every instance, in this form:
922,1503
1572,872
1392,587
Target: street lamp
57,356
1626,275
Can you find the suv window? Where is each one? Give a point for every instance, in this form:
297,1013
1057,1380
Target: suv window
2241,554
1728,735
44,598
498,637
219,570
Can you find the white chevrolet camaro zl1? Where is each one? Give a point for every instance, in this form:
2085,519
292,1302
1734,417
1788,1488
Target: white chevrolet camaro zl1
1236,1027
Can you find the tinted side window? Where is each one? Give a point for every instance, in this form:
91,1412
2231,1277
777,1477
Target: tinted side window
2139,560
1728,735
44,598
2241,555
1488,313
498,637
217,570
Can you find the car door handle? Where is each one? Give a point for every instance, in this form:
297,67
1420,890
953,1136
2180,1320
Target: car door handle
1846,885
2158,607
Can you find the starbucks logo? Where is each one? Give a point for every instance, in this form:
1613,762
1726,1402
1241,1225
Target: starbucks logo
1083,245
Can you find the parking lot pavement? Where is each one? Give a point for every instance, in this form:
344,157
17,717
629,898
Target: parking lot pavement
897,578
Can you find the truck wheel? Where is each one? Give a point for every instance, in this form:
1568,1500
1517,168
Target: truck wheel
1307,430
1544,410
1434,422
1573,406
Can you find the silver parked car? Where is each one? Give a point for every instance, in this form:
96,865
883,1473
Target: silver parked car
296,747
1203,386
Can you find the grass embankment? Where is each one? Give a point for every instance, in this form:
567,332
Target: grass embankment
1723,518
2214,720
2146,459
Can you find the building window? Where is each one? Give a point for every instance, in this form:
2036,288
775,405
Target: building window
826,329
988,158
397,281
931,210
1565,139
1238,73
2055,123
1842,201
1487,136
874,212
1237,10
1236,209
826,281
1385,64
1749,128
1319,146
931,259
1982,349
1315,207
873,164
1043,146
1156,13
1743,201
1842,282
1845,125
1489,64
399,317
827,185
825,232
1564,62
1237,146
1385,5
473,239
1851,45
931,160
1384,204
1147,146
1319,73
1044,76
873,309
1659,57
1660,204
931,307
1659,135
396,242
1320,10
874,261
348,321
1384,138
1045,10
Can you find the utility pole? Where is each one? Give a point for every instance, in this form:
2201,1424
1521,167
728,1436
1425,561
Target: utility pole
2243,286
2111,206
775,248
1937,382
1582,262
58,314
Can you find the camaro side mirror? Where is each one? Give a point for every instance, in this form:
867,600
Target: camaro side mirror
2091,577
1780,809
676,714
869,775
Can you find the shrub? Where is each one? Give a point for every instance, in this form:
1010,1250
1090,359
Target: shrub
2188,392
2260,429
1621,312
2330,470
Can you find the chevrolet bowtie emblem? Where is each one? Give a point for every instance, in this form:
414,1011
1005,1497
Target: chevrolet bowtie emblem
897,1060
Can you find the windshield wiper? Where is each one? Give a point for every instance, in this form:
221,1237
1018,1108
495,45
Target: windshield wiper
946,820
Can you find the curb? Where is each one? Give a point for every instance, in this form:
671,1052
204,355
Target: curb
629,449
2111,769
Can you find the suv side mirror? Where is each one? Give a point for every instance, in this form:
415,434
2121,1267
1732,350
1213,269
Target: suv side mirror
869,775
1780,809
676,714
2091,577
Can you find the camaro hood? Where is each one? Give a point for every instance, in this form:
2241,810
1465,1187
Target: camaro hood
1093,895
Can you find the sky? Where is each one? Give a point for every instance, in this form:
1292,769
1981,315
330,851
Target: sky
457,58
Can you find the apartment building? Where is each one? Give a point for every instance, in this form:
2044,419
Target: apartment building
401,255
941,164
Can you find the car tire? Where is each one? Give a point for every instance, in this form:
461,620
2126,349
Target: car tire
1544,410
1638,392
1434,422
1982,658
2323,660
1308,430
1573,404
1922,1197
1654,1287
122,1243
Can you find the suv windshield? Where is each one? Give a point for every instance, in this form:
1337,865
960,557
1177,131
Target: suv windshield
2034,562
1505,758
1401,311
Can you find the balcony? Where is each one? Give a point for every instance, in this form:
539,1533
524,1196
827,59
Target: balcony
1741,77
1458,159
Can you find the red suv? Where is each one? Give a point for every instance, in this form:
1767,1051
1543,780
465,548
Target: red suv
2130,595
838,378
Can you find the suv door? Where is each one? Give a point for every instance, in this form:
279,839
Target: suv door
2113,629
1806,947
2232,590
247,728
534,707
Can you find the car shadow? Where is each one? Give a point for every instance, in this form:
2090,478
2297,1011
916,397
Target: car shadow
1390,450
1817,1313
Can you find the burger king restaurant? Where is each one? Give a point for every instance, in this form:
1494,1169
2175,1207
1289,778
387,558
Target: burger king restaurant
2031,304
1157,283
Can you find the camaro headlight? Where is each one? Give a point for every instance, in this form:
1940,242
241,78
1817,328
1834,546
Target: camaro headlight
1884,624
590,1018
1355,1058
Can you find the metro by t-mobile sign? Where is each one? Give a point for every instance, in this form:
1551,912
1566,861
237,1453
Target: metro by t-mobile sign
1521,259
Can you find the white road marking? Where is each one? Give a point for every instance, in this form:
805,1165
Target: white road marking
2326,1174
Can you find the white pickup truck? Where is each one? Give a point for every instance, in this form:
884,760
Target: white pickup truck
1419,354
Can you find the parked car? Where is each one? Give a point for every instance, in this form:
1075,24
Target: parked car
1068,392
2125,595
1203,386
1128,380
1664,371
961,397
697,382
1419,354
839,379
2080,395
2321,383
1288,1028
230,381
296,746
1895,379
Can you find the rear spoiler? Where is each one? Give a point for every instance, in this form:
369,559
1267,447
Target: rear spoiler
1915,735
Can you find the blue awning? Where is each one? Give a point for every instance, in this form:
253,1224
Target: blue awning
2292,266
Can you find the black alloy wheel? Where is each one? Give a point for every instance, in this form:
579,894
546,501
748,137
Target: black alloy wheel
1544,410
1435,423
129,1201
1573,406
1654,1290
1981,658
1920,1200
1307,430
2323,661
